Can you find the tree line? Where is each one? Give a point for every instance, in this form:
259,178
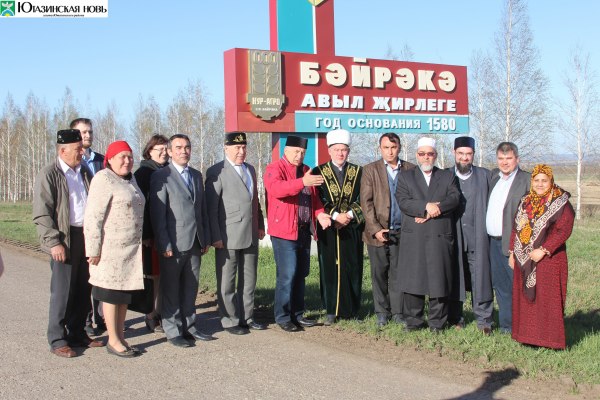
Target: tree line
509,100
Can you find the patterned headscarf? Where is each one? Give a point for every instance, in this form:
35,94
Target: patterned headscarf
535,214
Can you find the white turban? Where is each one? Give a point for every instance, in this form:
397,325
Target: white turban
338,136
425,141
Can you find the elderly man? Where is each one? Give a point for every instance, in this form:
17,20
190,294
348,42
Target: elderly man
383,221
182,235
236,226
508,185
427,197
473,242
340,246
292,206
94,162
60,196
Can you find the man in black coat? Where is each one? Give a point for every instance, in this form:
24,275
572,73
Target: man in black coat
472,240
427,197
94,162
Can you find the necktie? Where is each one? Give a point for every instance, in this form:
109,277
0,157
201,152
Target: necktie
187,179
245,178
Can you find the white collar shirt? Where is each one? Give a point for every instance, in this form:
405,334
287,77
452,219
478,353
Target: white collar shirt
77,193
495,210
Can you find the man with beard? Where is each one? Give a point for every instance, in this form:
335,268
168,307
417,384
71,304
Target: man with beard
473,243
340,246
428,197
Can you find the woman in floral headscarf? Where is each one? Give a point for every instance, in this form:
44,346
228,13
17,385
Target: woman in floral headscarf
538,252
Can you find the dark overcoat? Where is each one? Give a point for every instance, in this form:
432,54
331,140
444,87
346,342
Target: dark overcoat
427,261
482,291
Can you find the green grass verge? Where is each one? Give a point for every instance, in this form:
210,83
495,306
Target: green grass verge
580,361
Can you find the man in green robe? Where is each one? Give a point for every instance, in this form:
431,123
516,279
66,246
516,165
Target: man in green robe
340,245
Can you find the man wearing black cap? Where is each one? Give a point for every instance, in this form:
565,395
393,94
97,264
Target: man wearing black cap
60,196
236,226
473,243
292,207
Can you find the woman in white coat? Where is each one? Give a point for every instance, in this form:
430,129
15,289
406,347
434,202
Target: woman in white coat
113,222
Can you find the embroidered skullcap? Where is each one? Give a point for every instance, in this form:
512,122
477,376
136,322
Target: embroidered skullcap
464,141
425,141
234,138
296,141
67,136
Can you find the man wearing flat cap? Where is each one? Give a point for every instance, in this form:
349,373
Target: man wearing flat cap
293,207
428,197
61,190
472,253
340,245
236,226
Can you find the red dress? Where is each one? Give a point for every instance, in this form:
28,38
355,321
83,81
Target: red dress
541,323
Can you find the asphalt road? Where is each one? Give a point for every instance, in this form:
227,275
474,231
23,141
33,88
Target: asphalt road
263,365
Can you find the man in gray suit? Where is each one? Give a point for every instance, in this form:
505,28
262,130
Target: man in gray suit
236,226
508,184
180,222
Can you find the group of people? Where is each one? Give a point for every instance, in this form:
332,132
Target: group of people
115,236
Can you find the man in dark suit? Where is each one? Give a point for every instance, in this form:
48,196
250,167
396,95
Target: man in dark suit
427,197
473,244
508,184
236,226
383,221
181,231
94,162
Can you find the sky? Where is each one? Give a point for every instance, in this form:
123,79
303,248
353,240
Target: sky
155,48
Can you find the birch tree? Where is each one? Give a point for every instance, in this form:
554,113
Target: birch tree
579,110
519,104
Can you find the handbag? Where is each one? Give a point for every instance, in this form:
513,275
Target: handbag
142,300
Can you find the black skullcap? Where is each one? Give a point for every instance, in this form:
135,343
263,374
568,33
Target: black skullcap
68,136
464,141
234,138
296,141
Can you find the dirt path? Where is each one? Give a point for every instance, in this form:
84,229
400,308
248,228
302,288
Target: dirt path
320,363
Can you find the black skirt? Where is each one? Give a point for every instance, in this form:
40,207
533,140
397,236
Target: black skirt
112,296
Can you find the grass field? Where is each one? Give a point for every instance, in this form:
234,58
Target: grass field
580,362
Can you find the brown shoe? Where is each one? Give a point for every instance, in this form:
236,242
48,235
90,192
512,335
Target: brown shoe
65,351
486,330
88,342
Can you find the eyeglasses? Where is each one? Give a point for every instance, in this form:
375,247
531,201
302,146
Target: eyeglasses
160,149
428,154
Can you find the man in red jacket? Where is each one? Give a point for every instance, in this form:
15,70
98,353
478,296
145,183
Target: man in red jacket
292,206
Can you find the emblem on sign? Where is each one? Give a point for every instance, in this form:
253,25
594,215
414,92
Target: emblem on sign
316,2
265,96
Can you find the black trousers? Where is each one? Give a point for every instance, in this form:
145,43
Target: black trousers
414,310
388,299
69,294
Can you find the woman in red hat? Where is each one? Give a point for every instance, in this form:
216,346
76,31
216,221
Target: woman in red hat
113,221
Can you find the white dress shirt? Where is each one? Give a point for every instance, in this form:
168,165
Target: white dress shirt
495,210
77,193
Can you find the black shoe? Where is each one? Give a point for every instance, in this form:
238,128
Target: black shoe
237,330
151,324
397,318
179,341
255,326
205,337
128,353
290,327
305,323
329,320
413,328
